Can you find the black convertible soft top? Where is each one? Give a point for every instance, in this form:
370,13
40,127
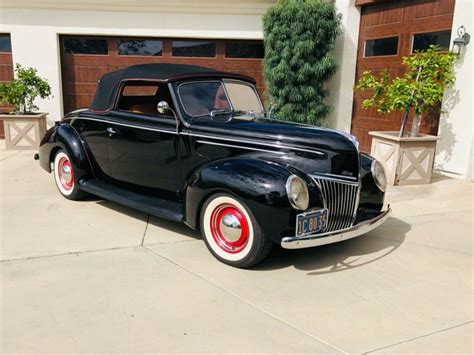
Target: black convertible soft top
109,83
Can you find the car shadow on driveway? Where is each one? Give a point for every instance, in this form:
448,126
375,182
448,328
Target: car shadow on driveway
155,221
343,255
321,260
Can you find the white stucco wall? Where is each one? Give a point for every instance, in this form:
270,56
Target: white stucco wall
340,86
455,151
35,33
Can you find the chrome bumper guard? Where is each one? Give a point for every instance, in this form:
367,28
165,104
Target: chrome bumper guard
337,236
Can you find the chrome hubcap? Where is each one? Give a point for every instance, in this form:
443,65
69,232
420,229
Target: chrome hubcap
66,173
230,228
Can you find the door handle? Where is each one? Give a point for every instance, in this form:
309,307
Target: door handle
111,131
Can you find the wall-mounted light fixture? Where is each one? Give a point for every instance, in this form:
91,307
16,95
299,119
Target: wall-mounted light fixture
461,41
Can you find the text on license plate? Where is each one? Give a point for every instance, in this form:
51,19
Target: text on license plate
311,222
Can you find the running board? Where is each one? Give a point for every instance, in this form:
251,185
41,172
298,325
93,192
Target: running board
160,208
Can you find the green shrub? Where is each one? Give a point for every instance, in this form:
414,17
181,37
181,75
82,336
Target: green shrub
299,39
22,91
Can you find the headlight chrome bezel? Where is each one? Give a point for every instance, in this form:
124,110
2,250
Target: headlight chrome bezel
301,205
375,169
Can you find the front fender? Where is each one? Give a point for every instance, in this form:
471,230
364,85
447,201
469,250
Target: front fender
64,136
261,185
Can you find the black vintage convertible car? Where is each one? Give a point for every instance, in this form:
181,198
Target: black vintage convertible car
194,145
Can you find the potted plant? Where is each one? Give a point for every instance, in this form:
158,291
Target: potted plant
408,156
24,127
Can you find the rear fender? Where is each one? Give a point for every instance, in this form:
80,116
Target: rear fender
64,136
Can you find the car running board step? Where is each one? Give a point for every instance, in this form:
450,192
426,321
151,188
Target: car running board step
160,208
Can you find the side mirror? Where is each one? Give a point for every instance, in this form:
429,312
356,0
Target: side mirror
162,107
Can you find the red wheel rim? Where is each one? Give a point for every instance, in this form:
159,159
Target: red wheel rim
229,228
66,173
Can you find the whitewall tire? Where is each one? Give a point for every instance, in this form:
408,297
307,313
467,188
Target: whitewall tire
231,232
65,177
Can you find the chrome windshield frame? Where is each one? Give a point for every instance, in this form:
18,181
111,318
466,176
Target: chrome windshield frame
222,82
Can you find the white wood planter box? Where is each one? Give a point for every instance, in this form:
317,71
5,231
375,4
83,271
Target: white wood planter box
24,131
407,160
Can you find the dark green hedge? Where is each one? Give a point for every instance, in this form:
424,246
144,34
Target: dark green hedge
299,40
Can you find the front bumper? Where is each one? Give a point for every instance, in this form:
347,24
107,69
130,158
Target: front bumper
338,236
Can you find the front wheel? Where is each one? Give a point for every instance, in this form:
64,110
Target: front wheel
65,177
231,232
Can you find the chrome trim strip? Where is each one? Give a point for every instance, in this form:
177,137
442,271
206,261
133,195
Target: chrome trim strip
340,176
313,240
201,135
125,125
323,196
280,146
356,205
238,146
331,178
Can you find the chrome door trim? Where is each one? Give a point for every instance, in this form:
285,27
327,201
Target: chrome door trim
280,146
240,147
127,125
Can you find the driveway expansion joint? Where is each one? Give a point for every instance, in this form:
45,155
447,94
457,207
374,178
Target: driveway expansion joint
251,304
66,254
420,337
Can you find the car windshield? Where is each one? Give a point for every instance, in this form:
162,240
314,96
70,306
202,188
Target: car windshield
201,98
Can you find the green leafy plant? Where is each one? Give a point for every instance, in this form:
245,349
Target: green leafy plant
422,86
22,91
299,37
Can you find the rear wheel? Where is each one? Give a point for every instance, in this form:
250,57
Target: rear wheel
231,232
65,177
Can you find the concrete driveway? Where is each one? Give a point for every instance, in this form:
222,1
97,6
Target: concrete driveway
93,276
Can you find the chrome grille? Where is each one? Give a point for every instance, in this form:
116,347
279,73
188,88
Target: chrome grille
341,199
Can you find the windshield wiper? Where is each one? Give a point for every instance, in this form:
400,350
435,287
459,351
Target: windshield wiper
214,113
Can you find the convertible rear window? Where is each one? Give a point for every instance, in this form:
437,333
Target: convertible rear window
139,90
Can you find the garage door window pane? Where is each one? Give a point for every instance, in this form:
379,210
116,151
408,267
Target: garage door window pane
194,49
5,44
244,50
422,41
86,46
381,46
140,47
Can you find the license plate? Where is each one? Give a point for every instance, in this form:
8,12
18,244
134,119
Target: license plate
311,222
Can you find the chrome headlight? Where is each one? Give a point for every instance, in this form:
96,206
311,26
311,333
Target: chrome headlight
297,192
378,172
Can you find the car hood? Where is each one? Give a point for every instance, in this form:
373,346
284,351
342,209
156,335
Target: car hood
307,148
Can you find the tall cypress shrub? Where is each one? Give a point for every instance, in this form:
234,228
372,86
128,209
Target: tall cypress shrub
299,38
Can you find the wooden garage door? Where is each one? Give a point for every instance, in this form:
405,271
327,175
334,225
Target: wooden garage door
85,59
6,69
388,31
